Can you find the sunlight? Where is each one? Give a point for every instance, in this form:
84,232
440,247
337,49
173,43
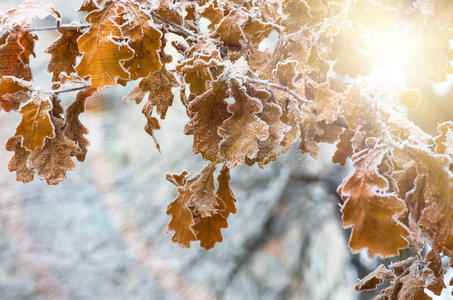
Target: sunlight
392,52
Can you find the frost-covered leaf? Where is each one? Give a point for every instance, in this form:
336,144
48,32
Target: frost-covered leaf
73,128
158,86
13,92
64,52
18,162
370,209
120,45
179,211
243,131
208,111
36,125
203,200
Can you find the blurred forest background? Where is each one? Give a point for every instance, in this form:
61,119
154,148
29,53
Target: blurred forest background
101,234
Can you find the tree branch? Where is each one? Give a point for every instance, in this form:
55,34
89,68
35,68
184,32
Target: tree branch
279,87
176,27
61,91
64,26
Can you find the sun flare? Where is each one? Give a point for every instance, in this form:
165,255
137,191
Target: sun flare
393,53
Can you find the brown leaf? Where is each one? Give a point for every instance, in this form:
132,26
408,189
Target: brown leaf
54,159
13,92
73,128
271,114
151,122
224,193
370,209
344,148
18,163
374,279
158,85
36,124
243,132
203,200
434,197
120,45
89,6
169,11
181,216
409,284
197,68
145,40
213,12
208,230
208,111
444,141
239,26
16,48
64,52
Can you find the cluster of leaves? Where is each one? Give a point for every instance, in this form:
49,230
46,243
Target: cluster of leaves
248,104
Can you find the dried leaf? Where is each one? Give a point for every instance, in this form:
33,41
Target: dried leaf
374,279
444,141
73,128
179,211
120,45
243,132
16,48
208,111
13,92
158,85
239,27
203,200
36,124
370,209
18,163
64,52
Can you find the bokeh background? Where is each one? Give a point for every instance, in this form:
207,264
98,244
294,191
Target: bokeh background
101,234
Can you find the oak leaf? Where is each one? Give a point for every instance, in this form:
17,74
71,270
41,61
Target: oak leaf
374,279
18,162
203,200
239,26
370,209
444,141
208,229
73,128
208,111
120,45
158,86
197,69
64,52
181,215
36,124
13,92
243,131
54,159
16,48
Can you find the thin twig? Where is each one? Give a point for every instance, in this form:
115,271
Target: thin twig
69,90
64,26
279,87
177,27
